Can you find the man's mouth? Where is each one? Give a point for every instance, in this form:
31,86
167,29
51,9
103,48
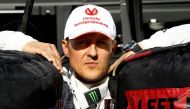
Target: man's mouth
91,64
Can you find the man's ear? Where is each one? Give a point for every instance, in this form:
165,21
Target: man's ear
114,45
65,45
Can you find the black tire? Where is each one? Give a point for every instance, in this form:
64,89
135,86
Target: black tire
28,81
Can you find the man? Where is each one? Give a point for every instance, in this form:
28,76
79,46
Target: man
89,43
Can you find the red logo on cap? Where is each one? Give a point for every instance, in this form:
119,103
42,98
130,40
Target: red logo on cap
94,11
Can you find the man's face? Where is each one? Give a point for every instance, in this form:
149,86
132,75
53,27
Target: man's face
89,56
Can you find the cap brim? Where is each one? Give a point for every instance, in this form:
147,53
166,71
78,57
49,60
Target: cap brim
78,36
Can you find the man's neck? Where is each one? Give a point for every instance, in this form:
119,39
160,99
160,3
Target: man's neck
91,85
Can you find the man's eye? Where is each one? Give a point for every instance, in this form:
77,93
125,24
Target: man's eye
102,42
82,43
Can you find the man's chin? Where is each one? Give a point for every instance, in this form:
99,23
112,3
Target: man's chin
90,81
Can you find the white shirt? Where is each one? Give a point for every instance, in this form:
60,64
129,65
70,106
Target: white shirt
175,35
13,40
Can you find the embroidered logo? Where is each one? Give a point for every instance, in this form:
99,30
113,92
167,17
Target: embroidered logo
93,96
92,12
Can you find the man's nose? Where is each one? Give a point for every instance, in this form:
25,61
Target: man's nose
92,51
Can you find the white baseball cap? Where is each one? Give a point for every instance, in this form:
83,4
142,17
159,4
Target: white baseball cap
89,19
